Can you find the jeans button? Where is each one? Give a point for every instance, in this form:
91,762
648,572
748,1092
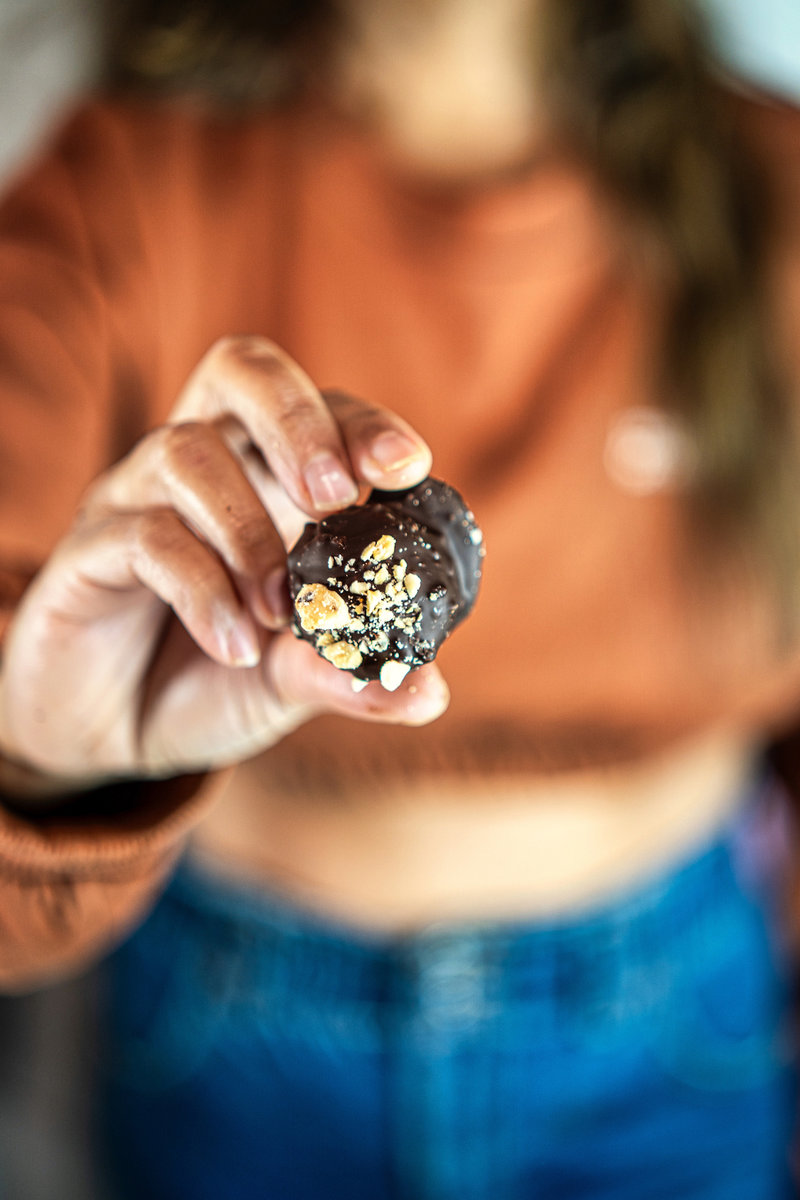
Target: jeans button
451,982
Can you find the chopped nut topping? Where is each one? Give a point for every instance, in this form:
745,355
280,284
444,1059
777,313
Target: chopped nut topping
320,608
392,674
399,569
412,583
359,587
342,655
382,575
374,599
379,550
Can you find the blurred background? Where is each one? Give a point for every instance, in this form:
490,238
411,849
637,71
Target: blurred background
759,41
50,51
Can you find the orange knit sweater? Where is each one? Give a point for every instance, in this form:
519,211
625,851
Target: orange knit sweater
511,328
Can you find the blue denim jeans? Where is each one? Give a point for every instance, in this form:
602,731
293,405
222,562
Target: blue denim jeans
638,1051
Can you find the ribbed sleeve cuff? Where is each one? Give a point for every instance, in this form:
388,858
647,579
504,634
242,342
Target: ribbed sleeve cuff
114,833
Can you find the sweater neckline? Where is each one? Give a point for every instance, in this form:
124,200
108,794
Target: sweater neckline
552,208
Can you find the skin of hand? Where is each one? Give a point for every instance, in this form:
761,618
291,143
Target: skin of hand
154,641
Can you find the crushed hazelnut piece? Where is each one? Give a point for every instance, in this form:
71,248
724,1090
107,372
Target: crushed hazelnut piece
382,575
399,569
379,550
342,655
412,583
320,608
392,674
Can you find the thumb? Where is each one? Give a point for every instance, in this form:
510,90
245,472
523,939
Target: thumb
300,678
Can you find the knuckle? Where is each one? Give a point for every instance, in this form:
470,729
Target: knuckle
361,418
238,350
93,498
369,423
158,533
257,371
346,405
295,412
250,542
174,556
188,445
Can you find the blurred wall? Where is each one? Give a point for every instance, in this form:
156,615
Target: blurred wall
49,51
759,40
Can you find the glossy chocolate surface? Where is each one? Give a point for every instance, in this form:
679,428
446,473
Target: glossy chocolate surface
378,587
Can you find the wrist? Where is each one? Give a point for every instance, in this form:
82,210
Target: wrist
25,783
28,785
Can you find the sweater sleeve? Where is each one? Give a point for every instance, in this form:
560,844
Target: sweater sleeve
77,354
71,887
77,373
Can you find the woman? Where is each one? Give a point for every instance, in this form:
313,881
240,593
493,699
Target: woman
527,948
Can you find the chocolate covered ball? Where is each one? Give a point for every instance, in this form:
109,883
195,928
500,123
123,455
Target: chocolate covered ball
377,587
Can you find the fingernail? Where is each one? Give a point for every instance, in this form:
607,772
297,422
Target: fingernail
328,483
276,594
238,641
393,451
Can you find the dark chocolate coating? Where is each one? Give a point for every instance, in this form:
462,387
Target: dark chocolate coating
410,591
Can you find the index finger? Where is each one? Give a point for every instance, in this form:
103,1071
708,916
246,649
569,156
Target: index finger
383,448
289,422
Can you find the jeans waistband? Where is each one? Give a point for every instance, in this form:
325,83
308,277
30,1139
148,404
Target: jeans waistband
610,957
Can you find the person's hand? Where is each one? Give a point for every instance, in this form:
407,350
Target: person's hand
154,640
